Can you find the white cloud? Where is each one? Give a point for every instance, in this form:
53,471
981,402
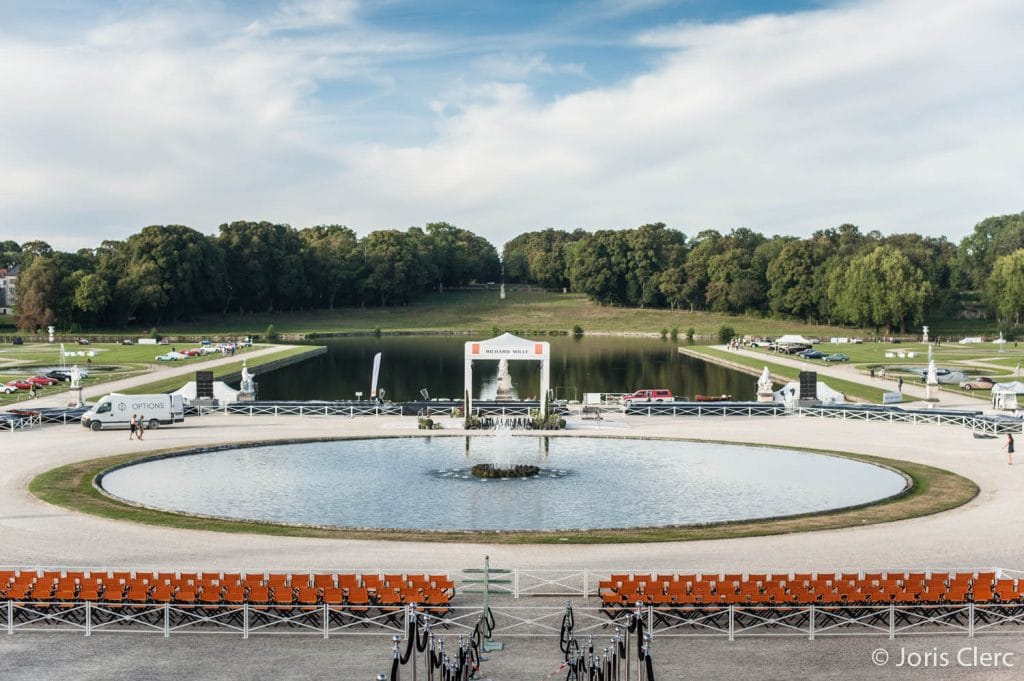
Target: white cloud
901,115
294,15
895,115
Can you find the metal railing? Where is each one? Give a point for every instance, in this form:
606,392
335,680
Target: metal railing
974,420
704,409
731,622
349,410
14,421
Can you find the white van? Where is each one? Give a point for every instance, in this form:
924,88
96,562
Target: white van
116,410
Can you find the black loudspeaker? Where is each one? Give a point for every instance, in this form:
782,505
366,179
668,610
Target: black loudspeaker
808,385
204,384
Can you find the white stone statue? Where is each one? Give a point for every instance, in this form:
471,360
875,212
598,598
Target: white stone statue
764,387
247,382
504,391
76,377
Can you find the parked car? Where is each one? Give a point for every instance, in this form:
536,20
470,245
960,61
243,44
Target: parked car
760,343
18,340
19,384
836,357
8,389
811,354
979,383
170,357
59,374
658,395
84,341
127,341
42,381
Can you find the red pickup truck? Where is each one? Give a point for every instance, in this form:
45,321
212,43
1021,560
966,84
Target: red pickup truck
658,395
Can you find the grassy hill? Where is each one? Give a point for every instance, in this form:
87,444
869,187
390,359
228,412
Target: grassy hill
483,311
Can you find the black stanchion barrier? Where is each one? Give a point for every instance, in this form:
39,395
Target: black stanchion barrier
463,665
614,662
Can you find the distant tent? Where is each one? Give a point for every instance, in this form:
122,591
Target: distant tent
1004,395
792,339
1015,387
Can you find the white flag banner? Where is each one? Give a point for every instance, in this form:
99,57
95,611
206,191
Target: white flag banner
375,376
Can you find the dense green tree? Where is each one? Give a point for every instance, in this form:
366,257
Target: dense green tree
10,254
1004,288
733,282
793,286
653,249
172,272
264,265
396,271
705,246
38,288
882,288
936,258
992,237
91,298
540,258
334,263
598,266
460,257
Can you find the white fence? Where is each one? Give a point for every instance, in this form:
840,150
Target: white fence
727,621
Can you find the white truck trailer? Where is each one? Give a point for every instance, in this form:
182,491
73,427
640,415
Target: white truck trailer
116,410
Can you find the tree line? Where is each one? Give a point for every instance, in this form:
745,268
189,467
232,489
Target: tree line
166,273
839,275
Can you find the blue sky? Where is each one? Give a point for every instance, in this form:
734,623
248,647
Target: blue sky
504,117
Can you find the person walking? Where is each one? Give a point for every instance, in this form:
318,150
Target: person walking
139,427
1008,446
132,425
899,385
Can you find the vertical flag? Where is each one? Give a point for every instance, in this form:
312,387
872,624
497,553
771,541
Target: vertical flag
375,376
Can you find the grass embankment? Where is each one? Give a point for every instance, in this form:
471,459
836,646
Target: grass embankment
849,388
933,490
105,362
482,311
220,372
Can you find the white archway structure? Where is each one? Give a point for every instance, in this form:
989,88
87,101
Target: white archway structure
507,346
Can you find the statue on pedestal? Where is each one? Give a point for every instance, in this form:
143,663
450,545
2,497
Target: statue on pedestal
247,387
764,387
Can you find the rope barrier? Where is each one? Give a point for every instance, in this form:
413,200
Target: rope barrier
462,665
614,661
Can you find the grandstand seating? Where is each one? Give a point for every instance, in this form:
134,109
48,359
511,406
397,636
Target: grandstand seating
366,594
801,589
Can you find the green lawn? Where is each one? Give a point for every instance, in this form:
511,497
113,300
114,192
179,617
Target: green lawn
526,311
852,390
108,362
171,384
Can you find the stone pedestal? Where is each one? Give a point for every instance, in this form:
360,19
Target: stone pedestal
765,396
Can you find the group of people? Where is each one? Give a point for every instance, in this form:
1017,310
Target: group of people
136,427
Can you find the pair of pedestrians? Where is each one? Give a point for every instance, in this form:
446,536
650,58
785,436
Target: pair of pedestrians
135,424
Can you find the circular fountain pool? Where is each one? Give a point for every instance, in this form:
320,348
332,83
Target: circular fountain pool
421,483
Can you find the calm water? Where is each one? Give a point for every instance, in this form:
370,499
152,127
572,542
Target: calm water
414,483
589,364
